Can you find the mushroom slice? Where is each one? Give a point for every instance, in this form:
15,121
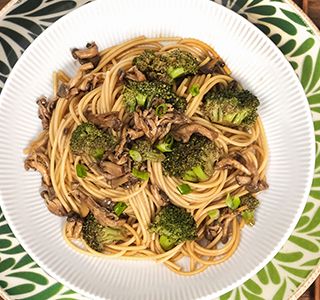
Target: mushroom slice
212,231
106,120
238,156
40,162
90,51
74,226
257,187
45,110
118,160
126,181
52,202
140,124
122,143
85,85
108,204
55,207
229,163
103,216
112,168
225,230
121,74
63,90
243,180
135,74
135,134
156,192
88,55
86,67
120,181
251,185
184,132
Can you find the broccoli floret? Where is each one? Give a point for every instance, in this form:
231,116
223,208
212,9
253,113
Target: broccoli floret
192,161
179,103
174,225
146,151
252,203
97,235
142,93
144,60
166,66
88,139
231,106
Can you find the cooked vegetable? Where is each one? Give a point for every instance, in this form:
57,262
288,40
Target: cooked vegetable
214,214
231,106
192,161
146,151
184,189
252,203
143,93
135,155
119,208
233,201
73,225
88,55
81,170
166,66
88,139
102,214
166,144
161,109
248,217
97,235
174,225
184,132
194,90
143,175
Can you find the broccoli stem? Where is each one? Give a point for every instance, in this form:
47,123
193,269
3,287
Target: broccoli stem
141,99
248,217
190,176
200,173
166,144
195,175
175,72
166,243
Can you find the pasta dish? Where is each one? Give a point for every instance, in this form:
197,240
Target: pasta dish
151,151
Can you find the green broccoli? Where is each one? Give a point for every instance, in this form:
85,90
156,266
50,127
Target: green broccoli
166,66
174,225
97,235
192,161
142,93
88,139
252,203
146,151
231,106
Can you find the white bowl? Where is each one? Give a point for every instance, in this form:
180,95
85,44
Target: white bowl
254,61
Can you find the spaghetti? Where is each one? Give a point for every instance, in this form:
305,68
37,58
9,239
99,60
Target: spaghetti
97,89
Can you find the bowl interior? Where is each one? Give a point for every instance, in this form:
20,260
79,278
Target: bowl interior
255,62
